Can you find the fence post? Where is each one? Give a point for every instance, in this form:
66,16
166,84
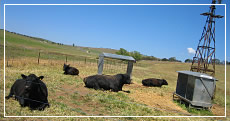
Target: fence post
12,60
39,57
66,59
100,65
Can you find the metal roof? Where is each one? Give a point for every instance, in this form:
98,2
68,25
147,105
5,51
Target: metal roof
115,56
197,74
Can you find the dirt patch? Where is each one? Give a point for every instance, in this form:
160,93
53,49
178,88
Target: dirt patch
217,110
155,100
163,102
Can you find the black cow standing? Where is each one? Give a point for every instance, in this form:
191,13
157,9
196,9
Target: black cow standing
70,70
30,91
152,82
107,82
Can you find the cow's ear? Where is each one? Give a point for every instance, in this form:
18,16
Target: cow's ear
41,77
23,76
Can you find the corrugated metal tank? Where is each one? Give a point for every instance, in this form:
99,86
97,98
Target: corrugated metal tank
196,88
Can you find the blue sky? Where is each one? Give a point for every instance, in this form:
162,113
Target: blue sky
160,31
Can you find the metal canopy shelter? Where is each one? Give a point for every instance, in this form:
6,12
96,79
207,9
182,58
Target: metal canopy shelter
130,60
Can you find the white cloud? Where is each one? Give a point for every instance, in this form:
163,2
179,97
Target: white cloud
191,51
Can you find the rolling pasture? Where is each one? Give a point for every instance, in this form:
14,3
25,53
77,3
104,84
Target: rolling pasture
69,97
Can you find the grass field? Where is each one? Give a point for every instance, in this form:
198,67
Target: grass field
69,97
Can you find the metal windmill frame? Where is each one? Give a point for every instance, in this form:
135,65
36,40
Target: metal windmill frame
205,53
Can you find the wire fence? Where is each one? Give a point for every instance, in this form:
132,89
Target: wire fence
111,66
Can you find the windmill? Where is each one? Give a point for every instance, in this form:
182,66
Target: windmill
204,59
196,87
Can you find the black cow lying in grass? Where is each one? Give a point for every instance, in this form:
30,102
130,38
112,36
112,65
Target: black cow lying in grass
107,82
152,82
30,91
70,70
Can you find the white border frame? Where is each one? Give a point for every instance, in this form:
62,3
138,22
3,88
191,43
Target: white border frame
113,5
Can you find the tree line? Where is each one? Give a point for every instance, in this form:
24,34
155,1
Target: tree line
138,56
217,61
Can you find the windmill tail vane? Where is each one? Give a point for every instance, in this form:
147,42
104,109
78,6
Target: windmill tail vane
204,59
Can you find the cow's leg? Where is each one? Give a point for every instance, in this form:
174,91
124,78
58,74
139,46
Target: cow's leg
9,96
42,107
120,88
96,86
11,93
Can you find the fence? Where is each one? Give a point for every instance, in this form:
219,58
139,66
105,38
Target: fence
111,66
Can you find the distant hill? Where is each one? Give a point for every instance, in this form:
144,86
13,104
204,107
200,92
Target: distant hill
20,45
23,43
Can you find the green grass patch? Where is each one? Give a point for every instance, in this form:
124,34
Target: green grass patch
193,110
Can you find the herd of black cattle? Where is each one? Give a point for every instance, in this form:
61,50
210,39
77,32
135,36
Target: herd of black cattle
31,91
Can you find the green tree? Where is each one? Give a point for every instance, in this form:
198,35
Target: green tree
217,61
188,61
136,55
144,57
172,59
164,59
122,51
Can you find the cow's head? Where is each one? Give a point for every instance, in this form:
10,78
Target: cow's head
65,67
125,78
164,82
31,81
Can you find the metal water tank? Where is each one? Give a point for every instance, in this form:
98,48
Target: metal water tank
196,88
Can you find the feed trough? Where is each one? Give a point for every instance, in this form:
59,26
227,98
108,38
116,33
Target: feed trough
130,60
195,88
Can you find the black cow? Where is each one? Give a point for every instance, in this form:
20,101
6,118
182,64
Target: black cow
30,91
152,82
70,70
107,82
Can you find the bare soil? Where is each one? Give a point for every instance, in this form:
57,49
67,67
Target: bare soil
163,102
217,110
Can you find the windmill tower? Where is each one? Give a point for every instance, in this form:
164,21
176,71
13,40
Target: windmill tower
204,59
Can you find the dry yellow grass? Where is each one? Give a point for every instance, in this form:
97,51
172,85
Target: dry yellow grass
63,101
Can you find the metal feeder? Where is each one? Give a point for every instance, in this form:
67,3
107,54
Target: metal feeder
130,60
195,88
